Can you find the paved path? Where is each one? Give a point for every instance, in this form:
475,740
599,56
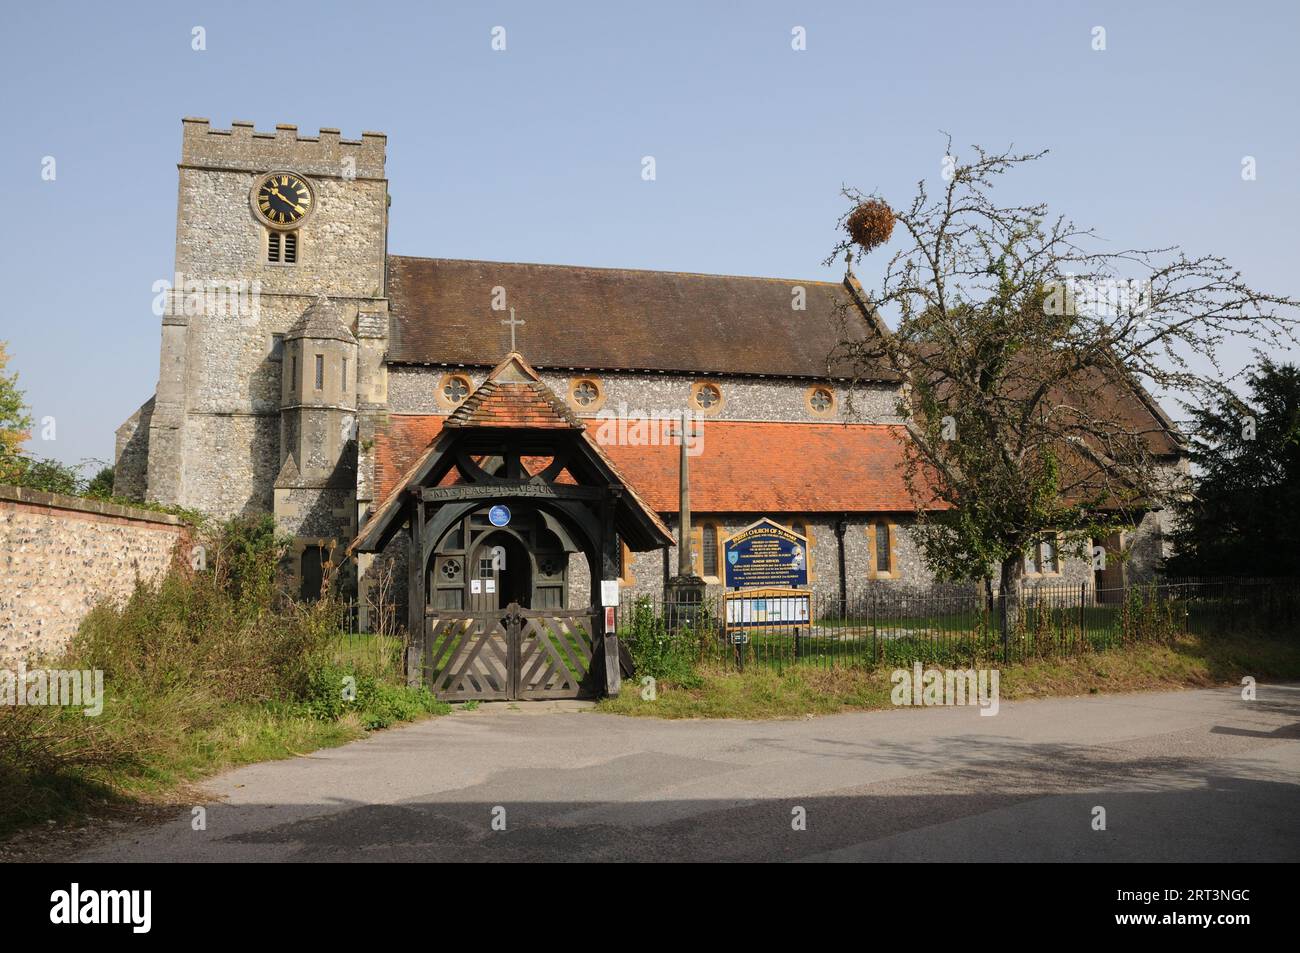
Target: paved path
1182,776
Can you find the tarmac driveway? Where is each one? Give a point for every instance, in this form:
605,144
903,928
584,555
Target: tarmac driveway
1199,775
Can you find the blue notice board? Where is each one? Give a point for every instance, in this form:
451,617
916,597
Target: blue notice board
766,554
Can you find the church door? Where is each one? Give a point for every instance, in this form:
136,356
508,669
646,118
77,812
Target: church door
501,574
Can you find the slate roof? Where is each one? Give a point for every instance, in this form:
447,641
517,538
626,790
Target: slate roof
613,319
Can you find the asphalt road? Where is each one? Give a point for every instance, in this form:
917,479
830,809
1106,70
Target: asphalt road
1182,776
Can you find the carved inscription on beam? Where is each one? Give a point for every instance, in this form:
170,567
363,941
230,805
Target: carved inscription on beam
544,491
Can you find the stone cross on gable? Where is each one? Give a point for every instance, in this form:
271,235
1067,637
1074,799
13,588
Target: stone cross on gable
513,322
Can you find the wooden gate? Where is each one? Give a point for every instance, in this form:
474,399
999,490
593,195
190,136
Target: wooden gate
510,654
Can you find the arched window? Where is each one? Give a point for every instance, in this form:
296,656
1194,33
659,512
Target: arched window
312,573
706,546
281,247
1043,558
880,553
709,550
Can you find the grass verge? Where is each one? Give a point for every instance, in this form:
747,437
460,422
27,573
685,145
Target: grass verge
207,669
1186,662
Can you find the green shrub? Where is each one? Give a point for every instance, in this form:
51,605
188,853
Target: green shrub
221,631
337,690
657,651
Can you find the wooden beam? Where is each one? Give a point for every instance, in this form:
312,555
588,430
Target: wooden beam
415,594
609,560
521,489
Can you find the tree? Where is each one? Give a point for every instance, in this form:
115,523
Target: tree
1243,516
14,419
35,473
100,485
1026,355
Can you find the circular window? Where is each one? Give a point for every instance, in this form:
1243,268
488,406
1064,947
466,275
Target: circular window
707,397
586,394
821,401
551,566
454,389
450,569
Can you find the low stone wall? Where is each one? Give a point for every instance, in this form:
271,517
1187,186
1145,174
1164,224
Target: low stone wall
59,555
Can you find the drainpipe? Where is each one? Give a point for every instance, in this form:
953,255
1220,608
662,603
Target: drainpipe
841,525
684,568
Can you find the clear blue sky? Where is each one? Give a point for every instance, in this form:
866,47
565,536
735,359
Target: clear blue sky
534,154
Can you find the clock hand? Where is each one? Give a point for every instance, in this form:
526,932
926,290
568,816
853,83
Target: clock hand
288,201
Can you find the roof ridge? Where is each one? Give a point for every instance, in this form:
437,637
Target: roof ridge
513,371
615,268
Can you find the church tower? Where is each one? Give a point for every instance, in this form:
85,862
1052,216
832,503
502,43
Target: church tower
267,222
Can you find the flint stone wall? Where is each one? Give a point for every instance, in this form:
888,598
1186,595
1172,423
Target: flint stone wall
60,555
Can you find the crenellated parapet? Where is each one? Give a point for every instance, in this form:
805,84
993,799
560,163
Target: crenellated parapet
244,148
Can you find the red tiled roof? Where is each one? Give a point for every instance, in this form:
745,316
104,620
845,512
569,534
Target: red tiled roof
513,396
773,467
398,444
519,404
743,467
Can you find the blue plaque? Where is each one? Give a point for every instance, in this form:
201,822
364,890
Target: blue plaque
499,515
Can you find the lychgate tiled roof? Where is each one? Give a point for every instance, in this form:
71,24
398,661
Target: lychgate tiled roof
512,396
614,318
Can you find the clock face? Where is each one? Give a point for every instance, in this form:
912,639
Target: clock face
283,199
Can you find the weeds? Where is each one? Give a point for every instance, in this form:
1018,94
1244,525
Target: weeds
203,670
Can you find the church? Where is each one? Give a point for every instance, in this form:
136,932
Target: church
392,407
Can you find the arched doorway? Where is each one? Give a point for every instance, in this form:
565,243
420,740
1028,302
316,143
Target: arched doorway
466,571
501,568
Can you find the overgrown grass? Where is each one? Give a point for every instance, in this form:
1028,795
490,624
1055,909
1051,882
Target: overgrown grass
202,671
1189,661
